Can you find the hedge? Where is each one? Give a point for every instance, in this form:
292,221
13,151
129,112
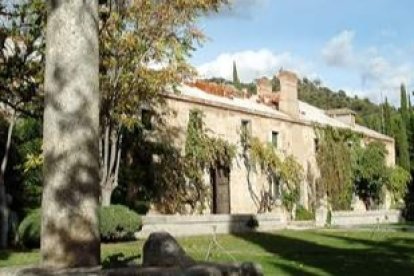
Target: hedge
303,214
117,223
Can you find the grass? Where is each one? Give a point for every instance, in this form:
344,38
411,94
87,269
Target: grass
323,252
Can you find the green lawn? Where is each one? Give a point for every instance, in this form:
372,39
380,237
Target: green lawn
324,252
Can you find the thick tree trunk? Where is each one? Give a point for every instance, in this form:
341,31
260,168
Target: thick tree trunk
70,233
4,209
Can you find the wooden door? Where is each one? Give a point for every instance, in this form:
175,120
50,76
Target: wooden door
220,180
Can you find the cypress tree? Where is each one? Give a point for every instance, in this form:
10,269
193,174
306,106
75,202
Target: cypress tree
387,118
404,107
236,80
403,157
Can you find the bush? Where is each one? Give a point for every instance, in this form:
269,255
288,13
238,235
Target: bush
303,214
29,230
117,223
397,183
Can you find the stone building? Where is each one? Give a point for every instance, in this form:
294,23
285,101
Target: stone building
276,117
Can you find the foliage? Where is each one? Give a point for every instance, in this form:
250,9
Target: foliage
404,106
29,230
144,51
21,56
289,171
402,148
28,139
117,223
334,158
368,113
370,171
387,119
201,153
398,180
236,80
25,182
303,214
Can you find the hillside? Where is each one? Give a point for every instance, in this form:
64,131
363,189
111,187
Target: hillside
368,113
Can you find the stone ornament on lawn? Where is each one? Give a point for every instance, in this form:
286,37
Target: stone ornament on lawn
162,250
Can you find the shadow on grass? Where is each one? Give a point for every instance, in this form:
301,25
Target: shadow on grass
4,254
374,258
119,260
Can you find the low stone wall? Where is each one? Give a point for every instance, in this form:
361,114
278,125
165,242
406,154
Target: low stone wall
350,218
208,224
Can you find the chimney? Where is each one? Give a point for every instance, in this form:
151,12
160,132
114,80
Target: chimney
288,102
344,115
263,87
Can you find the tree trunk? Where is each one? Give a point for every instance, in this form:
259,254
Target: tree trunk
106,197
4,209
111,156
70,232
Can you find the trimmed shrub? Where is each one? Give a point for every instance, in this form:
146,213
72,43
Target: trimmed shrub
117,223
303,214
29,230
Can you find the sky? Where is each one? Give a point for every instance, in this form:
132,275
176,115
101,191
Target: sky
364,47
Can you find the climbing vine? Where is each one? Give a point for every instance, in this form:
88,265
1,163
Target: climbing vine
287,171
335,157
347,166
202,152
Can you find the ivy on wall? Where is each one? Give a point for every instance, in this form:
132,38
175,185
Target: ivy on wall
288,171
203,152
347,166
335,157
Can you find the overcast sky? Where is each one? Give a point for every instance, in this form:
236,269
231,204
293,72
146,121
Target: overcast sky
365,47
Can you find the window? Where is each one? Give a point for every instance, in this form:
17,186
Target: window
197,116
316,144
245,131
146,119
276,187
275,136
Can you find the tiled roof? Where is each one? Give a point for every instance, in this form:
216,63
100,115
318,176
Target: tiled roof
308,114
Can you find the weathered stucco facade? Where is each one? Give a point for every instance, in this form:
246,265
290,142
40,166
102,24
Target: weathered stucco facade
279,114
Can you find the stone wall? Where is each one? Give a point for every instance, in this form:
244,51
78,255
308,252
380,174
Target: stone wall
351,218
210,224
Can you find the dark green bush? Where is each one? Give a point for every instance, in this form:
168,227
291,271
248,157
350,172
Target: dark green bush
303,214
29,230
117,223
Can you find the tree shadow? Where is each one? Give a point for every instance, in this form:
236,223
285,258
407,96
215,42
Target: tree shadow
377,259
4,254
119,260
